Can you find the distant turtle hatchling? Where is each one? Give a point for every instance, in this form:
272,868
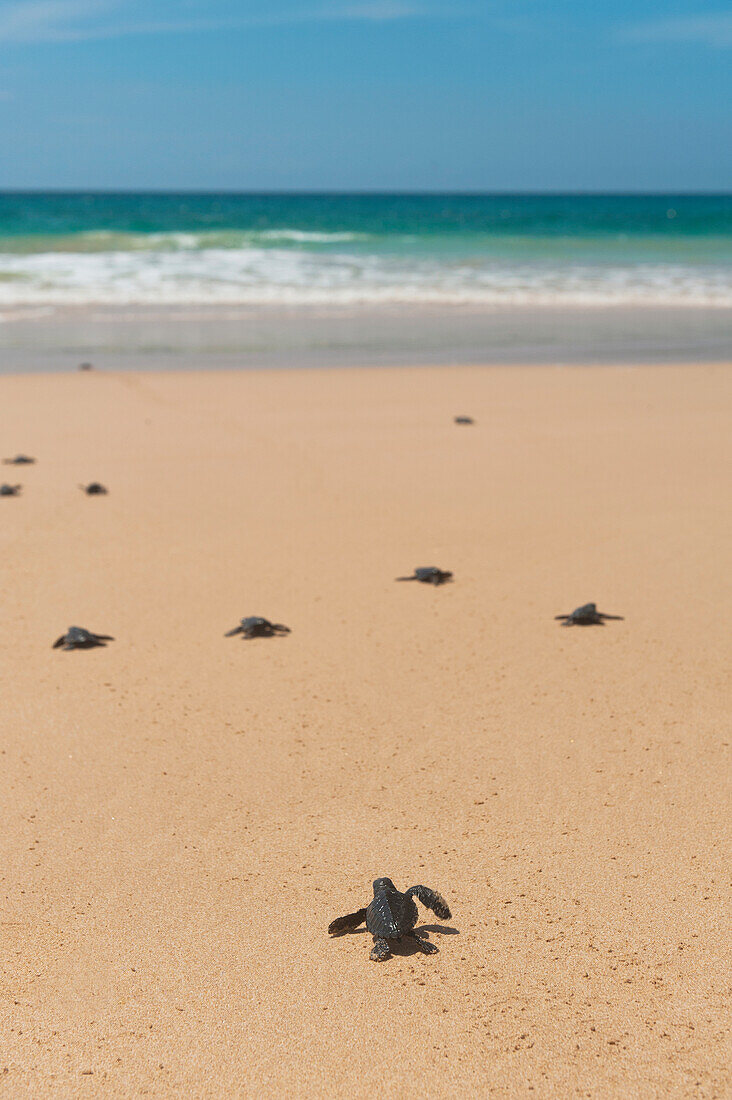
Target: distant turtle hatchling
19,460
464,420
10,490
429,574
78,638
587,615
256,627
94,489
392,915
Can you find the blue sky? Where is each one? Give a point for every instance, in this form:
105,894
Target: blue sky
366,94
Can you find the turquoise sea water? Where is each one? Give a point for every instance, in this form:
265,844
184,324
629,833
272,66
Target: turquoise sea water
347,250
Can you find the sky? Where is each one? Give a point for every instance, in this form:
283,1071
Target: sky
364,95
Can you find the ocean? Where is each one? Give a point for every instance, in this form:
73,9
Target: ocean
59,250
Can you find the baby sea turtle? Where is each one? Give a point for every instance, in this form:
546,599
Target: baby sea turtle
10,490
85,366
93,489
429,574
19,460
78,638
464,420
392,915
587,615
256,627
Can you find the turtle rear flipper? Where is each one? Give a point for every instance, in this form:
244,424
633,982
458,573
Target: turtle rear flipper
345,924
431,900
280,628
381,950
423,945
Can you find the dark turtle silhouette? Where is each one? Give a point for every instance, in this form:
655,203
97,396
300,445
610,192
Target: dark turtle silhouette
10,490
429,574
93,489
392,915
19,460
587,615
464,420
85,366
256,627
78,638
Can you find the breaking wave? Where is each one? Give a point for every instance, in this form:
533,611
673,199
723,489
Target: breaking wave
173,268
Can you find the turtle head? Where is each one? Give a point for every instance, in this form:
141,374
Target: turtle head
383,884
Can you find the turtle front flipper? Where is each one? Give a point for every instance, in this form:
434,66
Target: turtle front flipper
380,950
231,633
431,900
602,615
423,945
102,637
59,642
345,924
412,578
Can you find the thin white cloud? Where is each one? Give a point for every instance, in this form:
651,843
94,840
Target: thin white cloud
374,11
28,21
48,20
708,30
378,11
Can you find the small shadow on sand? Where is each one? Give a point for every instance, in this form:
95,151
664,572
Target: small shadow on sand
443,929
406,946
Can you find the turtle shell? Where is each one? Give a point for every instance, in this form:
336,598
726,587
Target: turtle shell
391,914
587,611
254,623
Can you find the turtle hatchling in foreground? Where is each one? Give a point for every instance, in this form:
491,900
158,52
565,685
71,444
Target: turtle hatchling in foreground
392,915
587,615
78,638
256,627
10,490
19,460
94,489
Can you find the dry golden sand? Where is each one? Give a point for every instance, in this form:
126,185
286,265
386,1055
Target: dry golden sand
183,813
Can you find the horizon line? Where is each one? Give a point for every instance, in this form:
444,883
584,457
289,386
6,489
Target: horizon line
467,193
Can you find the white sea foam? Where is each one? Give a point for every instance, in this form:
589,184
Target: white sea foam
306,237
180,271
107,240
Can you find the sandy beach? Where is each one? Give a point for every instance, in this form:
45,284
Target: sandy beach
184,813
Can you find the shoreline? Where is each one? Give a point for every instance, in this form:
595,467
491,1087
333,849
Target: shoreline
199,338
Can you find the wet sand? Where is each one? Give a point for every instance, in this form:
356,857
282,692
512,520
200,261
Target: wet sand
183,813
204,337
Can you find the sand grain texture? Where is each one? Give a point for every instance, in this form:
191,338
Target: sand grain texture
183,813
